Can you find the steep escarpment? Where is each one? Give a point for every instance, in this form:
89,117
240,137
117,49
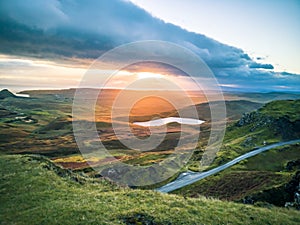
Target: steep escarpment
274,122
281,117
269,178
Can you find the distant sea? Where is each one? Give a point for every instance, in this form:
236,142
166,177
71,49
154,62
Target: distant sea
16,89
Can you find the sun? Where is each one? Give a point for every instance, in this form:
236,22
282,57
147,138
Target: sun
146,75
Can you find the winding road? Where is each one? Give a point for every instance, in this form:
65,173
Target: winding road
187,178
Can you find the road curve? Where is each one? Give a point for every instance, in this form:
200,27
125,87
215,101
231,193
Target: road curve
187,178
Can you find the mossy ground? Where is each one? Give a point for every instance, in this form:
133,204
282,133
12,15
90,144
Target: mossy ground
34,191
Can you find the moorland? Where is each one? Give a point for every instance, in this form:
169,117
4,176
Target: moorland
40,160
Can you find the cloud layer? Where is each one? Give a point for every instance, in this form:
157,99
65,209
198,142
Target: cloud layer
86,29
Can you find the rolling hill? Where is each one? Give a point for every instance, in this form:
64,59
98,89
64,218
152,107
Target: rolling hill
262,178
35,191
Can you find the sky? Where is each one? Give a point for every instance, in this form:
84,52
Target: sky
266,29
248,46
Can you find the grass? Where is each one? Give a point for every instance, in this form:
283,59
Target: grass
52,134
274,160
264,171
34,191
274,122
234,185
28,186
147,159
286,108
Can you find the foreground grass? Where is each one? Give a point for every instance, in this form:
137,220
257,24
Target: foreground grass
34,191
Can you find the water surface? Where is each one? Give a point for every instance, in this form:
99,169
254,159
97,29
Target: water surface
164,121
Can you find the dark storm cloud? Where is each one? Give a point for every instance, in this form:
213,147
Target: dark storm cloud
261,66
260,80
86,29
35,13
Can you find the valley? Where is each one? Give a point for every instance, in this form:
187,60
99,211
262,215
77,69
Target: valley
39,129
139,112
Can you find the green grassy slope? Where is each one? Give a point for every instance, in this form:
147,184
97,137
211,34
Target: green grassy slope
34,191
276,121
266,172
261,172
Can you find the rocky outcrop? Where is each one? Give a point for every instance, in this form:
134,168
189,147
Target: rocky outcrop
294,164
256,120
287,195
282,125
142,219
293,189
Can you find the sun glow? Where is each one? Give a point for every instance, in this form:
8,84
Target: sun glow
146,75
